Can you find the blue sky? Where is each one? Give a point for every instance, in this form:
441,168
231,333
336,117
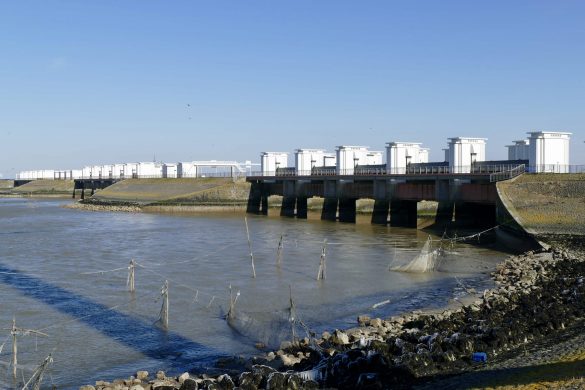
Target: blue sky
91,82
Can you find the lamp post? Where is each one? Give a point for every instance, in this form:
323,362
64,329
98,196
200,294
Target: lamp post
407,157
473,158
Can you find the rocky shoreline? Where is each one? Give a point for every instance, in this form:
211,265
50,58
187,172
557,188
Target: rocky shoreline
537,295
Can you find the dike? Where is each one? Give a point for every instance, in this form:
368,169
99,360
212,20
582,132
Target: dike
41,188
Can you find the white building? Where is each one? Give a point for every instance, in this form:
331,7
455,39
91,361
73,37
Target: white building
186,169
86,172
464,151
401,154
96,172
549,151
307,159
148,170
130,170
348,157
76,173
329,160
118,171
169,170
271,161
107,171
519,151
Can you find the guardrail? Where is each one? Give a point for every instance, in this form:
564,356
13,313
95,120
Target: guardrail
413,170
498,170
509,174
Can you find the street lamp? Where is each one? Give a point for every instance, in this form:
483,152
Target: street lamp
473,158
407,163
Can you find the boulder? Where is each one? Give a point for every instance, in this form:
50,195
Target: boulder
363,320
340,338
276,381
225,382
142,375
376,322
189,384
184,376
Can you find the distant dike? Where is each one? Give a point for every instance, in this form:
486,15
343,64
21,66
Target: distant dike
170,195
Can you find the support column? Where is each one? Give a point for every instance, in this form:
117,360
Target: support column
73,196
288,206
444,212
380,212
347,210
403,213
82,193
264,210
302,207
254,199
329,211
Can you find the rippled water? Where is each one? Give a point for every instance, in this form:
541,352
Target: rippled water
50,258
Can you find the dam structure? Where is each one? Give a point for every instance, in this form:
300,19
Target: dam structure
463,185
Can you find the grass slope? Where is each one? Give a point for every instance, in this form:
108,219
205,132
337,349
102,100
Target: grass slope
172,191
548,203
46,187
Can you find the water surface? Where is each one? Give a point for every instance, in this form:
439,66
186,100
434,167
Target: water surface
51,260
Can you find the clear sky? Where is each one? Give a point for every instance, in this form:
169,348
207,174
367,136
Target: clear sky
95,82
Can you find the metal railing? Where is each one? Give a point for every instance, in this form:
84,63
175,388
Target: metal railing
498,170
483,170
509,174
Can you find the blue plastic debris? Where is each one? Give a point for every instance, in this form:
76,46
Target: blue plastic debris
479,357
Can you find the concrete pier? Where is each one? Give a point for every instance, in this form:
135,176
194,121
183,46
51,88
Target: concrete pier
329,212
380,212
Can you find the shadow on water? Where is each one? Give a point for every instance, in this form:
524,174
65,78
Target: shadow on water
177,352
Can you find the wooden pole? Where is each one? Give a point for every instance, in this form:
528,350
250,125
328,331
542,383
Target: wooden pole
279,251
164,310
250,247
322,263
292,315
131,269
14,349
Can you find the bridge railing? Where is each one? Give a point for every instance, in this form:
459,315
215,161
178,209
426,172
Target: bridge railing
411,170
509,174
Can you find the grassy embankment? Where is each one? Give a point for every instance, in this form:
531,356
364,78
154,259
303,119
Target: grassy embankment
547,204
44,188
175,195
552,208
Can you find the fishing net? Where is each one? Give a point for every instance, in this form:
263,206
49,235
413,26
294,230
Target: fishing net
425,261
270,329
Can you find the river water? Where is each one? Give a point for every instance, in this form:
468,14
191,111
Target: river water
63,272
